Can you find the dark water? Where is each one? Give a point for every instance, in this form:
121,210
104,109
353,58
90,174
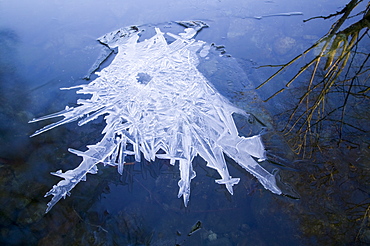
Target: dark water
48,45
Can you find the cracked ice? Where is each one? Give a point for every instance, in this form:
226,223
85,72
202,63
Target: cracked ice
156,104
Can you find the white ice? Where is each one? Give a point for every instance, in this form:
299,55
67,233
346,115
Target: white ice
154,99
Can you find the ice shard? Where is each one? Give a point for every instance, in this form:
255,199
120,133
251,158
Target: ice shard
157,104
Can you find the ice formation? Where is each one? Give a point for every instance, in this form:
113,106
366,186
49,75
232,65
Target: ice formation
156,104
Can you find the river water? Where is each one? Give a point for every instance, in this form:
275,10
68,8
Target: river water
46,45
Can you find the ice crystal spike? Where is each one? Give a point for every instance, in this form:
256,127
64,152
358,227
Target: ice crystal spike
156,101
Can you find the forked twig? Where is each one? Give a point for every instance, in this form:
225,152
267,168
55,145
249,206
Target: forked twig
337,46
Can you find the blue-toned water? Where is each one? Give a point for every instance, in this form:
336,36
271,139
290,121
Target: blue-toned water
46,45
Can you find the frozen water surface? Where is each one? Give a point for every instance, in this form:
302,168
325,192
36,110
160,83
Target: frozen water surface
157,104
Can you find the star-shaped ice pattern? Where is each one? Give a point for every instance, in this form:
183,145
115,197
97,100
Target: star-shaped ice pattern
156,104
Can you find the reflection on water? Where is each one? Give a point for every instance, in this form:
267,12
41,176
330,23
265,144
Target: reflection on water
140,208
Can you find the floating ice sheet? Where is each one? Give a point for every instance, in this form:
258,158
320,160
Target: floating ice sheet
156,104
